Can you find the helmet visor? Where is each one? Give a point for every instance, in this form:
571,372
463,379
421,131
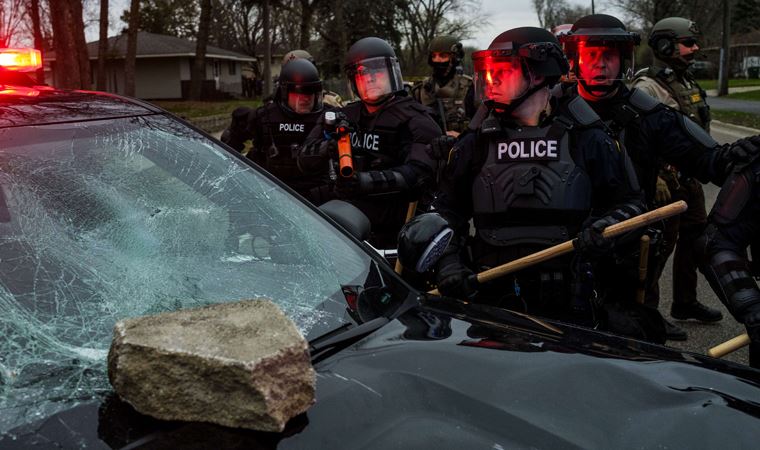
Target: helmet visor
603,62
500,79
373,79
302,98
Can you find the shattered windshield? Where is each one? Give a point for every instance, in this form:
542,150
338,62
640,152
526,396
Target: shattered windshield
110,219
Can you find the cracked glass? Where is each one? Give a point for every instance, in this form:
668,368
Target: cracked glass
105,220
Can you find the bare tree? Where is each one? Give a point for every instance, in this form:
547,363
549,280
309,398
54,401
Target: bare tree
267,50
34,11
557,12
102,46
130,60
199,64
425,19
72,60
11,19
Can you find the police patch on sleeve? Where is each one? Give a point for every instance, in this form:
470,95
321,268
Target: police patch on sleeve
535,149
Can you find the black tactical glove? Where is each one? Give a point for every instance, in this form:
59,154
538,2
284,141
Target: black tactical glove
591,241
455,279
745,150
441,146
328,149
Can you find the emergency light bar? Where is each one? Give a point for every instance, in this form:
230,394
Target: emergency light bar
20,59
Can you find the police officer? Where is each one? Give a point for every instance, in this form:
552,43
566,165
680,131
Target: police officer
530,177
278,129
446,90
598,47
389,141
674,42
733,225
329,98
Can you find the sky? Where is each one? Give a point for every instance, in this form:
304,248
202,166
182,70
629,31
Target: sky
502,15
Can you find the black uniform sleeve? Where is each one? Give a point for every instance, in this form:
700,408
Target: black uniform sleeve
237,133
255,129
454,198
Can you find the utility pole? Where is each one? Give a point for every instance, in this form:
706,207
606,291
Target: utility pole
592,7
725,50
267,51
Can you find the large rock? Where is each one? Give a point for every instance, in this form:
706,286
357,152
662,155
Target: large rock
240,364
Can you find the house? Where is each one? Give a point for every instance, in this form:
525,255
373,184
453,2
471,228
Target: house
163,65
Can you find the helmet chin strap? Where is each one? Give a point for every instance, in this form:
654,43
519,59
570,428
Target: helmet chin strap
599,90
510,108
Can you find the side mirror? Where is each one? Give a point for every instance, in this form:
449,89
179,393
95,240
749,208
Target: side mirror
422,241
349,217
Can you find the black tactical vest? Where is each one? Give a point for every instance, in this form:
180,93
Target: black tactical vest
377,144
279,135
529,190
691,99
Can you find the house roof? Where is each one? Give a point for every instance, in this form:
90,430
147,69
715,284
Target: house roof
151,45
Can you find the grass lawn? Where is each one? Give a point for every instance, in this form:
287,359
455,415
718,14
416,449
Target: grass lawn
737,118
751,95
190,109
734,82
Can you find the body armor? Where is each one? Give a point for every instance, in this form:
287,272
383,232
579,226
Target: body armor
447,101
529,190
278,135
691,99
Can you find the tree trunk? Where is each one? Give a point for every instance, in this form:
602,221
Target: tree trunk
131,57
67,73
267,51
725,50
80,44
199,64
307,15
37,31
102,46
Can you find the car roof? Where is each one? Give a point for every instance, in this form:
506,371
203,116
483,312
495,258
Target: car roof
23,102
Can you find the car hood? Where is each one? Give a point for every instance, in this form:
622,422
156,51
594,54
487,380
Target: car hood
461,376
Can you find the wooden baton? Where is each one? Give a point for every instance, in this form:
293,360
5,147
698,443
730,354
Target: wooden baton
567,246
729,346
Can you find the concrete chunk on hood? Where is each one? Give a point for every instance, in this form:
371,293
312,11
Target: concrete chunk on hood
241,364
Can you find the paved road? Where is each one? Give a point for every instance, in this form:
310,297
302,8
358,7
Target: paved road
748,106
704,336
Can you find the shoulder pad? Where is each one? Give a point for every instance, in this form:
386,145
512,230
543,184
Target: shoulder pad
642,101
695,132
581,112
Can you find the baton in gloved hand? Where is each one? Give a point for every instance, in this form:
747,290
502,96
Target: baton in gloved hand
567,246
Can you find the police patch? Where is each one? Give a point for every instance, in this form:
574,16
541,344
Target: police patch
536,149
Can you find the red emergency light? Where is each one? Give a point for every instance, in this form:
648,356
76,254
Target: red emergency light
20,59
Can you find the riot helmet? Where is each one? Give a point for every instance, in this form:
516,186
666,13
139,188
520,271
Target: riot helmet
444,55
667,34
373,70
297,54
518,63
299,87
599,48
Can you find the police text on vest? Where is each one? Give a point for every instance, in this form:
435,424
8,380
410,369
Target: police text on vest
528,150
297,127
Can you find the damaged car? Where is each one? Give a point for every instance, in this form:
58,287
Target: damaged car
112,208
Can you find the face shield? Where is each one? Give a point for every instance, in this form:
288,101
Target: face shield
601,64
500,78
374,79
301,98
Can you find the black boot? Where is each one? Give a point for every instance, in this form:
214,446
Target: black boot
674,333
696,311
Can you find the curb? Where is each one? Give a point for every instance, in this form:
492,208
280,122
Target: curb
735,128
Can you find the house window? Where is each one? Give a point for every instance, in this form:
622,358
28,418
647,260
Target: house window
232,67
217,68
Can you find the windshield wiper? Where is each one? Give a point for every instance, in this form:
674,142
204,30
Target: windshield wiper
319,346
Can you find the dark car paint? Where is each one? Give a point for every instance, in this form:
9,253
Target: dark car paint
452,375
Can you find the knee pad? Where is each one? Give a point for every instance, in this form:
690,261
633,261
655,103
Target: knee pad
729,275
